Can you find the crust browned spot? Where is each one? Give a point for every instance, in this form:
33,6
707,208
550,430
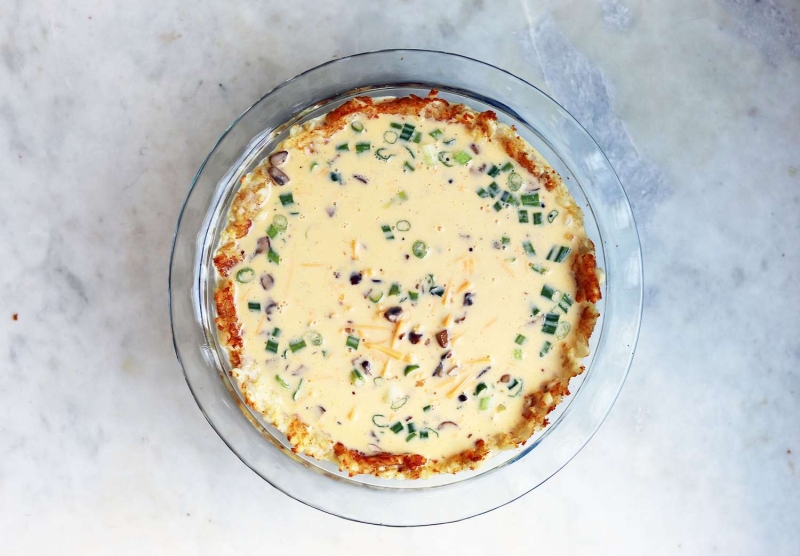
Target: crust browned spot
227,258
227,322
588,285
355,462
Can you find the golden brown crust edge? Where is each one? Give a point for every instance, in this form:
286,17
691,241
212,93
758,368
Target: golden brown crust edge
537,404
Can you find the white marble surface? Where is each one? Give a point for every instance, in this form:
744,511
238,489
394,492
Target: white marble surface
108,108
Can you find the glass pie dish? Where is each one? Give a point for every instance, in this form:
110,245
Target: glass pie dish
608,221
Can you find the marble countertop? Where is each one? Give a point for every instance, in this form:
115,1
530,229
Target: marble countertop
107,110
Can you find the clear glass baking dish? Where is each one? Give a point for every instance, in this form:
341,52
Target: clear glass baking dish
609,222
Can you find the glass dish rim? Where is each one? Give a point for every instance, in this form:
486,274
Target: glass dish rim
400,84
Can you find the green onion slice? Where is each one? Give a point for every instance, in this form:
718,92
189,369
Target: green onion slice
549,292
550,323
387,231
411,436
254,305
390,137
403,225
545,349
380,421
280,222
537,218
272,346
245,275
280,381
552,216
413,296
410,369
514,181
399,402
536,267
420,249
343,147
494,171
562,330
528,246
407,166
397,427
273,257
297,345
299,384
480,388
461,157
520,339
363,147
446,158
358,127
427,408
436,133
381,154
523,216
396,125
287,199
530,200
375,297
356,377
484,403
314,338
352,342
394,289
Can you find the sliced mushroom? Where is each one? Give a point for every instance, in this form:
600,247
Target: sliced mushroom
278,158
443,338
278,176
505,378
447,424
393,314
263,245
366,366
267,281
355,278
469,299
414,337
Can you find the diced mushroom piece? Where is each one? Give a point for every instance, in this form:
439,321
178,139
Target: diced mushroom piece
443,338
393,314
267,281
331,211
278,158
472,146
505,378
355,278
263,245
414,337
278,176
468,299
366,366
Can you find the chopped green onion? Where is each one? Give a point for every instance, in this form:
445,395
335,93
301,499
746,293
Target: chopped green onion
272,346
484,403
412,427
410,151
517,354
380,154
358,127
537,218
312,166
281,381
549,292
390,137
396,125
520,339
536,267
397,427
287,199
362,147
429,154
446,158
493,171
436,133
245,275
494,190
420,249
408,166
343,147
399,402
276,332
352,342
552,216
410,369
299,384
380,420
375,297
254,305
378,380
427,408
403,196
297,345
336,176
498,206
461,157
280,222
530,200
411,436
482,193
417,137
394,289
314,338
523,216
534,310
510,199
550,323
387,231
513,384
545,349
520,383
423,434
563,251
506,167
514,181
272,231
528,246
403,225
562,330
449,141
356,377
565,303
505,240
273,257
413,296
480,388
407,132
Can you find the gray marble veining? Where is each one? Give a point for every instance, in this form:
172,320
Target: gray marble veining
108,109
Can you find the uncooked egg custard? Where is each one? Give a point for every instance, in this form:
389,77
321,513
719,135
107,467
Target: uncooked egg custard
405,287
